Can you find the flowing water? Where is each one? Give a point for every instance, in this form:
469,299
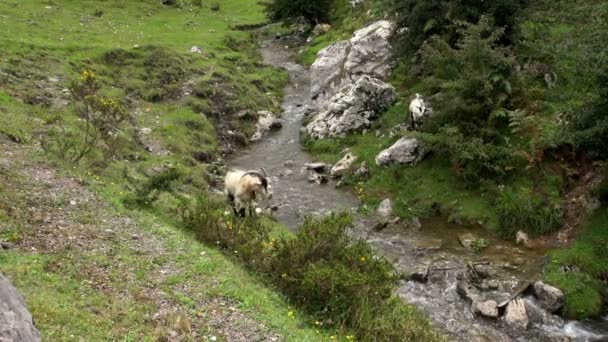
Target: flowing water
435,245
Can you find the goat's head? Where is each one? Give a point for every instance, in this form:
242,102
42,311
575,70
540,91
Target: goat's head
261,185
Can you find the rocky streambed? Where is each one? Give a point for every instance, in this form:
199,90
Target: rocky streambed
488,295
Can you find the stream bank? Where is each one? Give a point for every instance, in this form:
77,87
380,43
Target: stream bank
434,247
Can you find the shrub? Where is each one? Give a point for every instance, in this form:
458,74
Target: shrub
529,210
588,129
148,192
334,278
425,18
472,159
313,11
471,80
101,118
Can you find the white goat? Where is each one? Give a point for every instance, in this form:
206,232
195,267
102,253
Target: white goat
243,188
418,110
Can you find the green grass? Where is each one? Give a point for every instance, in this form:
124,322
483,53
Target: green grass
587,261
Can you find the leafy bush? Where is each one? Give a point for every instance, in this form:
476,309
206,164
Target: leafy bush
425,18
101,118
147,193
589,125
529,210
472,159
331,276
471,80
313,11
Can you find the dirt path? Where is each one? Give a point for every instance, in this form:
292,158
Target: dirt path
114,255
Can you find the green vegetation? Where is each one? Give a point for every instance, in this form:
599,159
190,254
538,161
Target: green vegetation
313,11
518,95
336,280
581,270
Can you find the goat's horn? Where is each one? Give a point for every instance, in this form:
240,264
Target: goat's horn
264,172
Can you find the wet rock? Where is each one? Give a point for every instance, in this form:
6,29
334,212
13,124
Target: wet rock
343,166
466,240
429,244
6,245
516,315
406,150
315,177
344,62
380,225
522,238
352,109
550,298
490,285
385,209
266,122
416,223
289,163
15,320
468,291
317,167
419,274
484,271
319,29
487,308
538,315
362,171
285,173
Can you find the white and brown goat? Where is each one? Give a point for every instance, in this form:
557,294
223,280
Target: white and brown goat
244,188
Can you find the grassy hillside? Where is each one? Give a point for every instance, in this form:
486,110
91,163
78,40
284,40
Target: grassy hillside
91,270
112,137
505,152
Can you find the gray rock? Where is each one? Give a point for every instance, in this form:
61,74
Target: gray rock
16,322
344,62
266,122
196,49
488,308
362,171
516,314
352,109
343,166
145,130
385,209
550,298
466,240
419,274
522,238
405,151
314,177
289,163
317,167
319,29
490,285
416,223
468,291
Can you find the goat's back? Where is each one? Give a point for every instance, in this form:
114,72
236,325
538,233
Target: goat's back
231,181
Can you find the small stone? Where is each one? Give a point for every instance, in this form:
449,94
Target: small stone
420,274
466,240
385,209
550,298
342,167
196,49
145,130
488,308
521,238
318,167
516,314
289,163
416,223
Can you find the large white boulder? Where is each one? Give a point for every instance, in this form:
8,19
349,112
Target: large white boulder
405,151
516,314
344,62
352,109
266,122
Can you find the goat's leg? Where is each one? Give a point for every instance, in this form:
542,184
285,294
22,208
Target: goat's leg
239,208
